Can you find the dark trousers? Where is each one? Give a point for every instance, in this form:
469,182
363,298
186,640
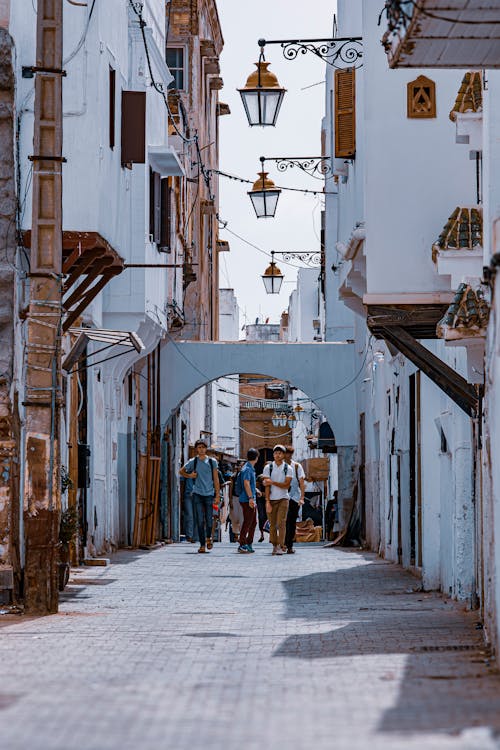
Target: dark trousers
249,524
261,510
203,508
291,520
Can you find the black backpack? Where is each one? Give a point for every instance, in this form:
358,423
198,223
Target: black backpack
271,469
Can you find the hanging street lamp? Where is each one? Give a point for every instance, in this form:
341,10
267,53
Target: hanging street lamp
283,419
272,277
262,95
275,420
291,420
264,196
299,411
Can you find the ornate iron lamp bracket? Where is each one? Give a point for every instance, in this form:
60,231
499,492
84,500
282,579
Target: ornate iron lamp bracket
310,258
345,52
318,167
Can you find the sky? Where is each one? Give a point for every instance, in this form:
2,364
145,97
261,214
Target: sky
298,133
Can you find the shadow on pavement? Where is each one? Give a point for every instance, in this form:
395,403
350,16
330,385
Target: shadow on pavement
448,683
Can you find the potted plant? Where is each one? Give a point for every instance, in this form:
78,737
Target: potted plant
68,528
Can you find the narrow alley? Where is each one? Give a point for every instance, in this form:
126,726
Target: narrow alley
328,649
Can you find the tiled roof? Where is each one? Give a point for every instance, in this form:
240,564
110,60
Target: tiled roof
463,231
470,95
467,316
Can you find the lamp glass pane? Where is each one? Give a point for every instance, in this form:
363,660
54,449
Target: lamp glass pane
265,202
262,105
272,284
270,103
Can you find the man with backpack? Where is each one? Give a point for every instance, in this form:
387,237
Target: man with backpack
277,481
246,487
204,471
297,489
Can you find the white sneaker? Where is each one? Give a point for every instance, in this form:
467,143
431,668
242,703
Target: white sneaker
275,550
279,551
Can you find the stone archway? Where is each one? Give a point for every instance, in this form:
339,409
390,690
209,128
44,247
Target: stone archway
325,372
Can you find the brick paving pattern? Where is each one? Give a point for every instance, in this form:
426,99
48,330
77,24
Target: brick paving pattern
174,650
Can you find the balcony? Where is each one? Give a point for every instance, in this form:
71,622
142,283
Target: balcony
442,34
458,251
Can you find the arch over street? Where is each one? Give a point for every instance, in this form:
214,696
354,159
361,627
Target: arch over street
324,371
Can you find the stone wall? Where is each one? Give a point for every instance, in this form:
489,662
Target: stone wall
8,442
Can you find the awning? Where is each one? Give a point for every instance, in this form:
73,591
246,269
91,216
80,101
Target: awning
89,262
107,337
165,161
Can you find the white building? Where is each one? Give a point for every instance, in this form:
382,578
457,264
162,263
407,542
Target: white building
114,138
227,414
400,176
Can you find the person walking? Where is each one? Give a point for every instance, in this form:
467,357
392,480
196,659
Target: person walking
190,531
248,498
297,489
277,481
204,471
235,510
261,508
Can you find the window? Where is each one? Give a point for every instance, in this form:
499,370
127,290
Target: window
175,62
154,206
159,210
112,106
421,98
345,113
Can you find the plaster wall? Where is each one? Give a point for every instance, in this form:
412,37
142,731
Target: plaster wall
305,306
407,159
489,526
227,402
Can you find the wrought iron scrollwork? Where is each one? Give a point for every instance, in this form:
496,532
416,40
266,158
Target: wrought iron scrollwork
312,258
318,167
339,53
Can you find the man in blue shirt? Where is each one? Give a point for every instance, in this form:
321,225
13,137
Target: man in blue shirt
248,502
204,472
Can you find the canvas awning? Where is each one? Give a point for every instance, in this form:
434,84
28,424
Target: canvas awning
107,337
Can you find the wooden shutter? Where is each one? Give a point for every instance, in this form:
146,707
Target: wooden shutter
154,206
165,231
112,106
133,127
345,113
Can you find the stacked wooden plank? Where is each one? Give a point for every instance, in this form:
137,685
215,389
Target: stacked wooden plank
147,501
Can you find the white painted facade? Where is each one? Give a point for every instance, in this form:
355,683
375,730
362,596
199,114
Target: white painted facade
415,451
100,195
227,412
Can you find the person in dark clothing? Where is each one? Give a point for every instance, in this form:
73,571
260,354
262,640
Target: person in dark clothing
261,508
296,498
248,497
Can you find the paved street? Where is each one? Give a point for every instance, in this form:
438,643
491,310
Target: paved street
174,650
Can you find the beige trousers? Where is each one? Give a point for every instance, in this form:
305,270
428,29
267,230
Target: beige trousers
277,521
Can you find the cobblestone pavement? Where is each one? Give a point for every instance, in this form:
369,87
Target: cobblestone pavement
173,650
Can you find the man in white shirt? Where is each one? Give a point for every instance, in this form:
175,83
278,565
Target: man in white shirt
297,489
277,481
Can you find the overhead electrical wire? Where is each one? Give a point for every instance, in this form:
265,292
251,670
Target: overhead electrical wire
314,399
159,88
267,253
81,41
277,187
